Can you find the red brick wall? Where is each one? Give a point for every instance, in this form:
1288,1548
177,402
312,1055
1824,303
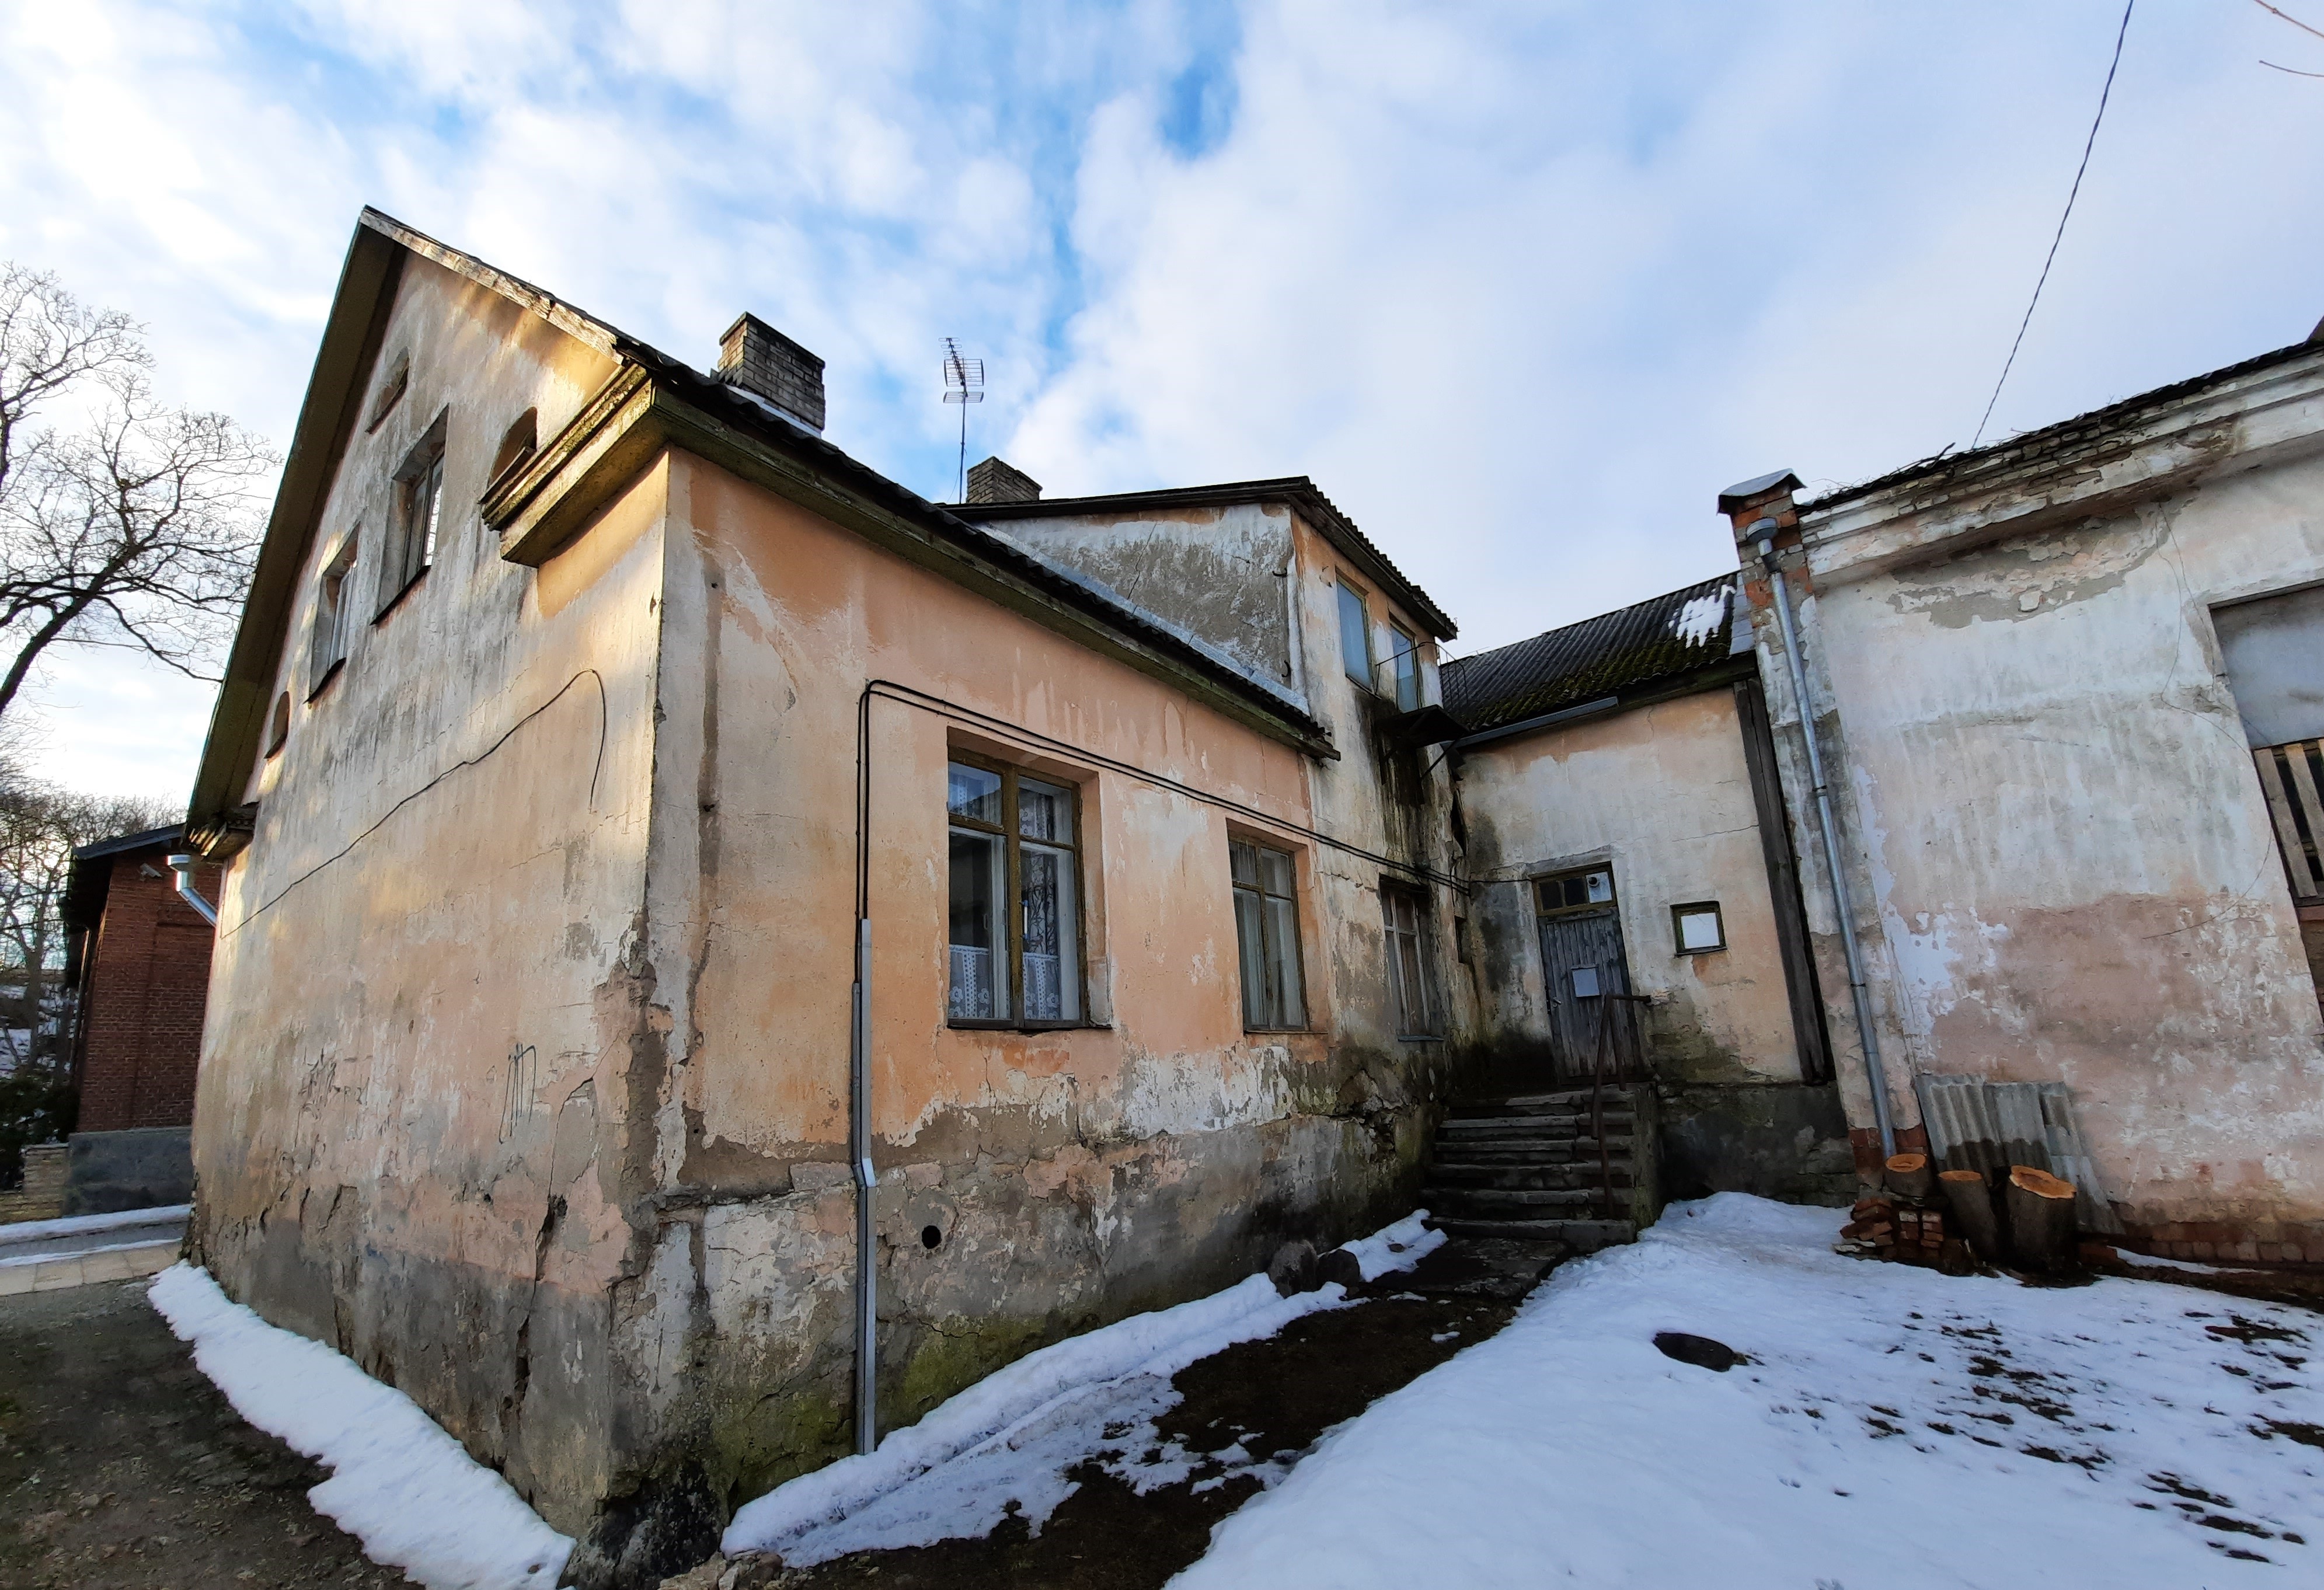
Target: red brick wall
146,984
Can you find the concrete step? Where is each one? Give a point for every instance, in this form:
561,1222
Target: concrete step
1506,1125
1581,1236
1571,1174
1510,1202
1529,1151
1565,1100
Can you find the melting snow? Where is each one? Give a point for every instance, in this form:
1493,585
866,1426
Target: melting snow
1006,1443
1699,619
398,1483
1891,1429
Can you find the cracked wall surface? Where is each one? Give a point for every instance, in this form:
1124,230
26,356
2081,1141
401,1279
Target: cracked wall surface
2062,862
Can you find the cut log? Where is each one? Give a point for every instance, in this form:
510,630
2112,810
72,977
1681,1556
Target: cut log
2040,1219
1909,1175
1974,1218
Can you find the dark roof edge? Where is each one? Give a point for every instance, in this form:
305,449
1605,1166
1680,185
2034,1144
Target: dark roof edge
127,842
351,337
1646,693
1297,489
1947,462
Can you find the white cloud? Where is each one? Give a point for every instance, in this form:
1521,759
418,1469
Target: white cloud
1521,287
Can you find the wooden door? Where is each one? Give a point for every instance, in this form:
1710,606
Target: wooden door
1581,962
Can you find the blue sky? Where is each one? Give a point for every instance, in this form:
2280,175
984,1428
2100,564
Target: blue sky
1521,286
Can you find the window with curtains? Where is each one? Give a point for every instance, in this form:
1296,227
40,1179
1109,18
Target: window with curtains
1267,932
1405,917
1016,958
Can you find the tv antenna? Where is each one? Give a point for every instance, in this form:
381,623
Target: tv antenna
964,384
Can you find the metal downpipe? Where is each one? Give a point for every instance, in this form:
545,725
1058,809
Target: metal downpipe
859,1148
183,866
1858,993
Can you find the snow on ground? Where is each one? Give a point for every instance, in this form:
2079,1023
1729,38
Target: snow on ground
23,1231
398,1483
1897,1428
1007,1442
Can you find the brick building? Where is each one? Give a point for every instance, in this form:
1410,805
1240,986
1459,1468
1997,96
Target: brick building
139,959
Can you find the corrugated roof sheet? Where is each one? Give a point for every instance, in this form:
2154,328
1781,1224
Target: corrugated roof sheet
1689,628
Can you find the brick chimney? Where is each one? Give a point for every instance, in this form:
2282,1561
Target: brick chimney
1770,496
756,357
995,480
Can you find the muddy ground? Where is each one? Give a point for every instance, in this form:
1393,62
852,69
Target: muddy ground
122,1466
1275,1396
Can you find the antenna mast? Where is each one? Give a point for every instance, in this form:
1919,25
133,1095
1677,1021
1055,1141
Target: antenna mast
964,384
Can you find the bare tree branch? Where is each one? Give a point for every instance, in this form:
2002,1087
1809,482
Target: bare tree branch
136,530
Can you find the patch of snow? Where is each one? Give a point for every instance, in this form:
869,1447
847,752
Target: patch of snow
1895,1428
87,1225
1005,1444
1699,619
399,1484
84,1252
2157,1262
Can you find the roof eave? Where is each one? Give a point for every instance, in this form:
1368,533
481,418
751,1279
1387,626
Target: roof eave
2266,411
351,337
643,410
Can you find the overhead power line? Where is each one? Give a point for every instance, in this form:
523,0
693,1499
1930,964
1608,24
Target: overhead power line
2087,144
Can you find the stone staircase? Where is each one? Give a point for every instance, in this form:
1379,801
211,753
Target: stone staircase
1528,1167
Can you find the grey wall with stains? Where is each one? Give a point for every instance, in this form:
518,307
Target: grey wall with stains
2057,843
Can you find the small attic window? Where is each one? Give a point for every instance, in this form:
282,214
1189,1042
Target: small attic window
520,442
390,389
278,728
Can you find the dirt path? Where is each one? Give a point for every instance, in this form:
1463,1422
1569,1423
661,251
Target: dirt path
122,1466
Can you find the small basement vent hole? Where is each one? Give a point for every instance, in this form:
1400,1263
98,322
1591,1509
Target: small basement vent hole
930,1236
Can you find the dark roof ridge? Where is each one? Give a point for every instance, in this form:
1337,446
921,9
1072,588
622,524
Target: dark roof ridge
1945,461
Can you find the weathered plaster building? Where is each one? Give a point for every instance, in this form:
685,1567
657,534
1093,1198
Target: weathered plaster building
2070,691
639,815
1625,834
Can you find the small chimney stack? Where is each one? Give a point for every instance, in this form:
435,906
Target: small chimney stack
756,357
995,480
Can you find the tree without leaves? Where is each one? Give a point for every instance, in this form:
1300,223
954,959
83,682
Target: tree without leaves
136,530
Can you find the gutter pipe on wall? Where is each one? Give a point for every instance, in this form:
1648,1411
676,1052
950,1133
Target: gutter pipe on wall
1763,531
859,1102
183,866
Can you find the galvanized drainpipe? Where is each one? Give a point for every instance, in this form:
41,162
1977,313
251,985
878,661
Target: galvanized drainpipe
183,866
859,1102
1764,531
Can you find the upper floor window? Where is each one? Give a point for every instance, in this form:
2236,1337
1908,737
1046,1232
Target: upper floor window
1405,916
326,643
1356,636
1404,667
418,509
1015,898
1266,933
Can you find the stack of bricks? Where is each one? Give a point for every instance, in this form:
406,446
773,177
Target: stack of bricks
42,1195
1905,1232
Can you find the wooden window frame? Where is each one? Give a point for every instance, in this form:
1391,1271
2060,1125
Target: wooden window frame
1695,908
329,630
1423,943
1262,894
1403,665
1013,909
1612,902
1369,677
409,550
